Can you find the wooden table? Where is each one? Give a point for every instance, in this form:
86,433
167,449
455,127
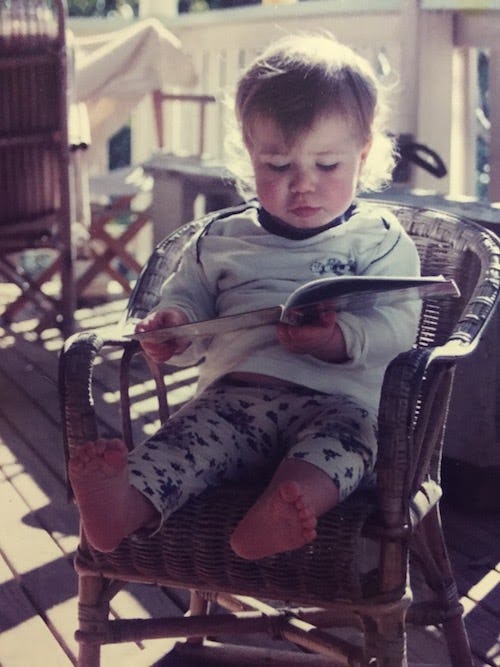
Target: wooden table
177,184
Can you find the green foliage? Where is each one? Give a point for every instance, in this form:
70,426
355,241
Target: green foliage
103,7
201,5
120,148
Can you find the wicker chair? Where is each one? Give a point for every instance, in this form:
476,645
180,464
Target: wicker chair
328,580
36,184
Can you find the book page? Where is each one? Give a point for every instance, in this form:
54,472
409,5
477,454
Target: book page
337,293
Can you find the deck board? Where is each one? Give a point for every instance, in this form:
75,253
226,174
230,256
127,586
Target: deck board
39,528
25,638
32,488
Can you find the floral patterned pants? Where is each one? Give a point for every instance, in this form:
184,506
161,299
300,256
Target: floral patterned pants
237,431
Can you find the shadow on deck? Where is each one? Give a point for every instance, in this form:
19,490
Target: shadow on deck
38,610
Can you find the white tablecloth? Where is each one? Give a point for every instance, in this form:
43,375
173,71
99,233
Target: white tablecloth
115,70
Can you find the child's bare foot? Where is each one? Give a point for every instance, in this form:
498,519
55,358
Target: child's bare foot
279,521
110,508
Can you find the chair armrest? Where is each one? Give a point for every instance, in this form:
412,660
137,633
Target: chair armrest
413,409
75,379
76,364
75,386
416,392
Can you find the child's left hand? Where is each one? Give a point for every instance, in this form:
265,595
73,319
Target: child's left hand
323,339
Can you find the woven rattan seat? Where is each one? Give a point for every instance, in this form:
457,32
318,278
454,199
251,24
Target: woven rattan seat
358,567
193,550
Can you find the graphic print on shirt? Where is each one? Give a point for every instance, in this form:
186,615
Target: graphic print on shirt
333,265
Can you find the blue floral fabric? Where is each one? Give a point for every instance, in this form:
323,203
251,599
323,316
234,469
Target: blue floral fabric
235,432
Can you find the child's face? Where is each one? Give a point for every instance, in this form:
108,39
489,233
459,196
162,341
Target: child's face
312,181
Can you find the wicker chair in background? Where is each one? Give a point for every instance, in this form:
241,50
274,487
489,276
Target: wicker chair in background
36,185
325,581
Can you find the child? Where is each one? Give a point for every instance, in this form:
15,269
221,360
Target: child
295,407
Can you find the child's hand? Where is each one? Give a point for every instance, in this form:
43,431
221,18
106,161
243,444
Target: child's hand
158,320
323,339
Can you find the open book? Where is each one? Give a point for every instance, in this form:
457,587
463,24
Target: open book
353,293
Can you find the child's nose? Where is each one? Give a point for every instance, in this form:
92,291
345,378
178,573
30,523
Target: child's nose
302,181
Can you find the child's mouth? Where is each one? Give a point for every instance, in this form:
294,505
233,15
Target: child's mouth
305,211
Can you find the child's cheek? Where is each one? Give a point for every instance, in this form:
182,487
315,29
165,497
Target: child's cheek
267,190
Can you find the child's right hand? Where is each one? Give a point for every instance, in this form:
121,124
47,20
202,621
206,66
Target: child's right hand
158,320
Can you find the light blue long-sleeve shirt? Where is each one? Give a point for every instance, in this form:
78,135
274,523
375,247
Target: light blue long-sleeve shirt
236,264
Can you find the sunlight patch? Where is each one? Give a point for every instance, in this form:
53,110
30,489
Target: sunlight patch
150,429
485,586
6,340
111,397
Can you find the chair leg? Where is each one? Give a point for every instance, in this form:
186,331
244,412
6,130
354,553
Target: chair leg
385,638
430,548
457,642
93,612
198,605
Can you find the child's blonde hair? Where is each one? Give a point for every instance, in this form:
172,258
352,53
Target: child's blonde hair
301,78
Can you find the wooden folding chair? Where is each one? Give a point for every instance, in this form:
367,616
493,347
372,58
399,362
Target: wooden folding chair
120,210
35,188
119,207
330,582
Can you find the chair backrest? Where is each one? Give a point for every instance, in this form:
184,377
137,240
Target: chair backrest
458,249
34,189
446,244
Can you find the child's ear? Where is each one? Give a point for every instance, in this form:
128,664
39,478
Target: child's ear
365,150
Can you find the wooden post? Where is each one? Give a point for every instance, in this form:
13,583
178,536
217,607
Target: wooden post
435,53
165,8
494,186
463,120
409,68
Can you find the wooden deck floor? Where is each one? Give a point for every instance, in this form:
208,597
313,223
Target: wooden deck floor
38,531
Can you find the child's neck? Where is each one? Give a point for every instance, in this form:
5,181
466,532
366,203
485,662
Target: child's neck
280,228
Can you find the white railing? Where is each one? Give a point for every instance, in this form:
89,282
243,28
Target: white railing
428,53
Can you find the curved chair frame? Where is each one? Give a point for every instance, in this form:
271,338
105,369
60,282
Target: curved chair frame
326,580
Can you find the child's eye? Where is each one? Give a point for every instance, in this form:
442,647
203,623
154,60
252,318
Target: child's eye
328,167
277,167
